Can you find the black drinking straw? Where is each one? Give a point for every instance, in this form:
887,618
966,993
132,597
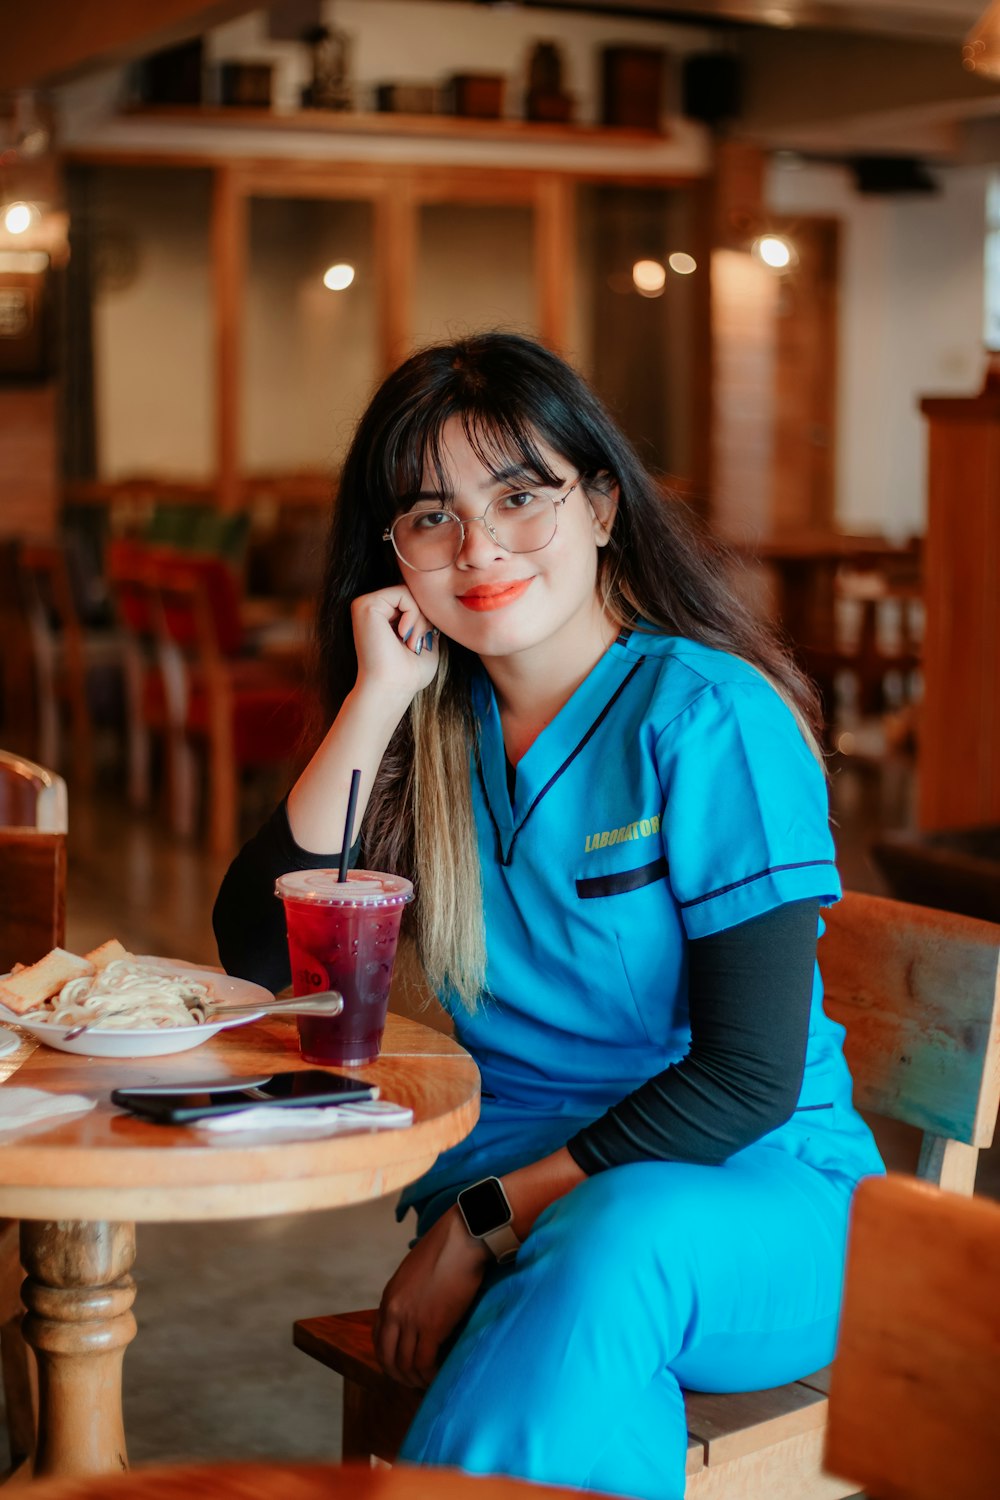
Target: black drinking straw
352,807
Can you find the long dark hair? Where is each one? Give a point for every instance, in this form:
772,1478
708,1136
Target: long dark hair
509,392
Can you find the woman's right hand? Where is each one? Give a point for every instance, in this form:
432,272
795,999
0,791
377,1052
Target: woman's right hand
397,646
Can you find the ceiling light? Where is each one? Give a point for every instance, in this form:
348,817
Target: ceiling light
681,263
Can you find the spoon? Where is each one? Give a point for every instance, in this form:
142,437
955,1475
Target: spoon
322,1003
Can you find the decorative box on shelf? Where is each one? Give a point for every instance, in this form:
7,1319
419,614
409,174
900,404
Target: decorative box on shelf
633,86
246,85
172,76
477,96
409,99
554,108
546,99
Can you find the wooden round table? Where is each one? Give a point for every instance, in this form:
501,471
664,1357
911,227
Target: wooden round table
80,1185
261,1481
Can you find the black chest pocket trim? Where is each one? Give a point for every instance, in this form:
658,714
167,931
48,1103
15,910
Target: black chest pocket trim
621,881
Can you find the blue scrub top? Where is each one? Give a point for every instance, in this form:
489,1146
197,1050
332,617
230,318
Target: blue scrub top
672,796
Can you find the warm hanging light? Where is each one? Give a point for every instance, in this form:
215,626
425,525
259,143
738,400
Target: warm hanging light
981,52
775,251
17,217
682,263
339,277
649,278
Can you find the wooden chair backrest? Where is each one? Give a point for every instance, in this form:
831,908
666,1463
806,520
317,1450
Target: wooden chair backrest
918,993
32,861
31,796
32,895
127,567
915,1389
187,584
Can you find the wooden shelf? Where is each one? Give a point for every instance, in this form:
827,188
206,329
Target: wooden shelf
450,127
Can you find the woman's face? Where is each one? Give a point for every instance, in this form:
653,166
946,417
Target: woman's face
496,602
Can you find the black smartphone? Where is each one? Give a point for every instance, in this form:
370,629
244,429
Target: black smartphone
178,1103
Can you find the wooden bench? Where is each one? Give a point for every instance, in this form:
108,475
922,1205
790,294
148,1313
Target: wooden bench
917,992
916,1384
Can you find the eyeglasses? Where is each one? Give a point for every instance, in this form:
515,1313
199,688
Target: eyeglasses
430,539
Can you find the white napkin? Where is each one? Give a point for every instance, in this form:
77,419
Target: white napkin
364,1114
27,1106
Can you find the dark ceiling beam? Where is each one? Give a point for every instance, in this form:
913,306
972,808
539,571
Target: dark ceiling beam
807,79
50,40
892,19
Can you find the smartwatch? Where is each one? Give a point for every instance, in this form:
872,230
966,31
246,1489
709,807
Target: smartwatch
488,1217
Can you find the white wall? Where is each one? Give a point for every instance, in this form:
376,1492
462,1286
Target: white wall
911,312
154,383
310,354
475,270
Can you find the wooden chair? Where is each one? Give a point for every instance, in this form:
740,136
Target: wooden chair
917,991
65,657
916,1383
32,920
242,711
130,583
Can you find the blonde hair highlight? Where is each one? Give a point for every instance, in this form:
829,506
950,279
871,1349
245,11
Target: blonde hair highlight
451,928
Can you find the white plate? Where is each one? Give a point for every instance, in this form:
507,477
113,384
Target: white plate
155,1041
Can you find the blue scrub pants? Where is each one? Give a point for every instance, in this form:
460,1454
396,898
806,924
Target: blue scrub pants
644,1279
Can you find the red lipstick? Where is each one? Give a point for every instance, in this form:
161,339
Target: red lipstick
493,595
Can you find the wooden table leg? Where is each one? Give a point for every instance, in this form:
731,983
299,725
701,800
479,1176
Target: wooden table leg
79,1320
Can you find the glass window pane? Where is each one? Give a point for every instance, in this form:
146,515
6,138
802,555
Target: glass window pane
310,353
475,271
152,321
635,323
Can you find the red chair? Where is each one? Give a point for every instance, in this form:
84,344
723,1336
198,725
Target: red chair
241,711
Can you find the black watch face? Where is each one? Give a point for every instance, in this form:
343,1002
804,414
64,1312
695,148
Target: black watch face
484,1206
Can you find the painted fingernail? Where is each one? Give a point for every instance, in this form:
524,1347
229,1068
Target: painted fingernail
418,647
429,640
406,637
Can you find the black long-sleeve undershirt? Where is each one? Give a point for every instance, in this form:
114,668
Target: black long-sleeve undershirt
749,991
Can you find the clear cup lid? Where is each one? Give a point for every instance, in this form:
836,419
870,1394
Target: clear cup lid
368,888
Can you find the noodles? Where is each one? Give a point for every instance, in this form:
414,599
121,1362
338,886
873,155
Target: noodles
126,996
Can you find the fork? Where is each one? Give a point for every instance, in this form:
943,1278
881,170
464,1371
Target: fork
321,1003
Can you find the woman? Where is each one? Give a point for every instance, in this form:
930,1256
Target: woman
600,772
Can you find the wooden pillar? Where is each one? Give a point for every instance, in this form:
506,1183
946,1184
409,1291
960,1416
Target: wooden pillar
959,765
395,259
229,252
555,258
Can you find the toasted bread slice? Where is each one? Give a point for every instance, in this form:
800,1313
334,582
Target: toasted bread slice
108,953
39,982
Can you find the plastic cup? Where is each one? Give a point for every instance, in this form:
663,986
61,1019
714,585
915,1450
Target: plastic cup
342,935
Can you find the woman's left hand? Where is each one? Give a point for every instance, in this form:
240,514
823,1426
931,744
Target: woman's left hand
432,1290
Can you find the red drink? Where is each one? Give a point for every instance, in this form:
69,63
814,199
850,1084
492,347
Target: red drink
343,936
